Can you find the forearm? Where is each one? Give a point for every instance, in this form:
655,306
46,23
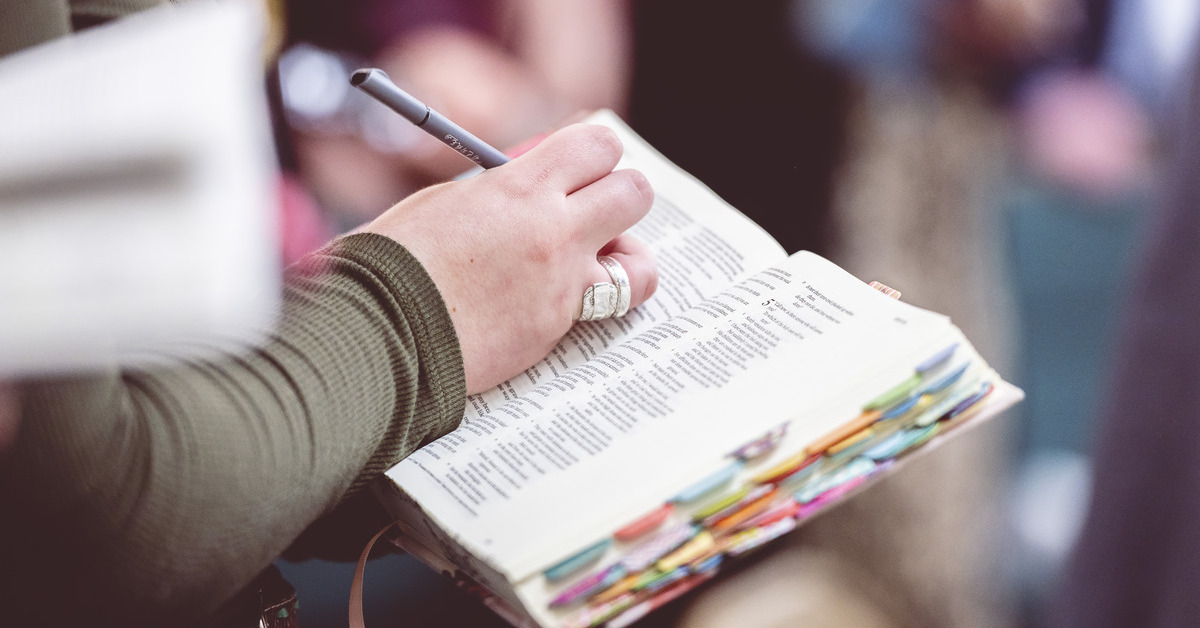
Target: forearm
176,485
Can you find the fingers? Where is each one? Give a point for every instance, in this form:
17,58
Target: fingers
525,146
570,158
611,205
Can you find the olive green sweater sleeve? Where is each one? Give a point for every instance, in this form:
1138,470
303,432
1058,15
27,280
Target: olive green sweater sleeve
165,490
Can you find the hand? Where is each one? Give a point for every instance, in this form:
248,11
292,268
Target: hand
513,249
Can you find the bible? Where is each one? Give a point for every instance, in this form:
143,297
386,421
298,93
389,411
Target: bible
645,454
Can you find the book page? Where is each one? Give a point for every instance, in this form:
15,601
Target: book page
579,455
702,245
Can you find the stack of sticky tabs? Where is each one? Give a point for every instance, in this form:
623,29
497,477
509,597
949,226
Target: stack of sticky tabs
739,508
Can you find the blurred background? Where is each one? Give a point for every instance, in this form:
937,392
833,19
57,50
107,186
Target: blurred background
995,160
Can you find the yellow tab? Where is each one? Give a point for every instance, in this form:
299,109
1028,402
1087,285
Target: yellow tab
616,590
720,503
691,550
781,468
864,420
850,440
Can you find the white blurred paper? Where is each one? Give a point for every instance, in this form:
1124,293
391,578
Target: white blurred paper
137,202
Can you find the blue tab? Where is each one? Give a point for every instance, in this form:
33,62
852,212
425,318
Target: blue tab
708,484
856,468
577,562
946,381
802,476
900,408
887,448
963,405
917,436
708,564
937,358
669,578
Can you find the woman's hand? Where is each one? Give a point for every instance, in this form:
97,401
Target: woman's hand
513,249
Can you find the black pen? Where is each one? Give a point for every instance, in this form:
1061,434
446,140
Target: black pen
376,83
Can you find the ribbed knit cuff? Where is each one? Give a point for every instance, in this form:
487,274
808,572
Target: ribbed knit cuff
443,387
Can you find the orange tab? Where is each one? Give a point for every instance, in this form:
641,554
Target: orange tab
863,421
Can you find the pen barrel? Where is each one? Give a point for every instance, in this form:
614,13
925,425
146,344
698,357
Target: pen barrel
377,84
463,141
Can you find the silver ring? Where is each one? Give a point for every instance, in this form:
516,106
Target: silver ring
606,300
620,278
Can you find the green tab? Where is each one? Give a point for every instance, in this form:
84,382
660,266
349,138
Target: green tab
720,503
898,392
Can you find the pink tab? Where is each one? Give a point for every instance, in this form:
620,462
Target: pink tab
645,525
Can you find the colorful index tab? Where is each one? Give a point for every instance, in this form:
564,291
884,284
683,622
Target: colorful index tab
969,401
862,421
720,503
644,525
646,553
850,440
859,467
577,562
619,588
589,586
937,359
884,288
787,467
831,495
756,537
760,446
708,484
749,495
895,393
946,381
690,551
596,616
782,510
887,447
900,408
747,509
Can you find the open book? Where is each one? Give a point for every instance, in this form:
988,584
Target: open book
644,453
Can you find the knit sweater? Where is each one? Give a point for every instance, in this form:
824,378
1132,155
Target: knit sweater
153,495
163,491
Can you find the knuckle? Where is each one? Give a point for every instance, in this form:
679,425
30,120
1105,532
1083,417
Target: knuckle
639,188
546,251
525,186
603,140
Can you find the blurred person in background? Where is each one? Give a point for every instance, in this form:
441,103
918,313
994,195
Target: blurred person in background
1091,127
159,495
940,116
1135,563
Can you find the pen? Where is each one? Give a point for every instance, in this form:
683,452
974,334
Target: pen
376,83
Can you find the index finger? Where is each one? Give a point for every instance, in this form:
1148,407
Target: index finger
570,158
529,143
606,208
